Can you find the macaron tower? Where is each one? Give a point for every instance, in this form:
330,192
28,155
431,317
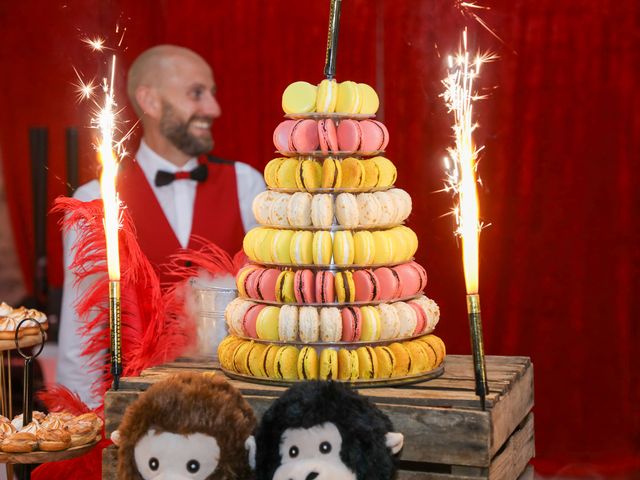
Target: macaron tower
331,290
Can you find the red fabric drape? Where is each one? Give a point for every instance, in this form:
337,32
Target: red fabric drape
559,263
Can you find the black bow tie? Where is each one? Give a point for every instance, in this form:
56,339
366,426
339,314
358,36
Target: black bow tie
199,174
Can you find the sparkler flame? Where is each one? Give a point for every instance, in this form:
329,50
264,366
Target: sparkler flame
461,165
106,123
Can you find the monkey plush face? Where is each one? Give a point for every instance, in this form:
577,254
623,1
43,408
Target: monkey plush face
312,453
169,455
324,430
189,426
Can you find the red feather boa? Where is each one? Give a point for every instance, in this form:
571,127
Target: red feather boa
155,328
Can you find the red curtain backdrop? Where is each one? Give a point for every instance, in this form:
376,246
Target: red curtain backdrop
559,263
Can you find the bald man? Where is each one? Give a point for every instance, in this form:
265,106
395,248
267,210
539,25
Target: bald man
172,188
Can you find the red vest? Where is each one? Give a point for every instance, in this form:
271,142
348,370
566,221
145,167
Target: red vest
216,214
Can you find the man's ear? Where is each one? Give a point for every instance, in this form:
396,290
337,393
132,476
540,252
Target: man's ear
149,101
250,445
394,441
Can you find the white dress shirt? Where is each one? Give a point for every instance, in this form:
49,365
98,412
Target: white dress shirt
176,200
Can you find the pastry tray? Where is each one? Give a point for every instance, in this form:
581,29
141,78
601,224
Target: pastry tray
334,304
23,342
335,227
331,267
334,191
335,345
338,154
333,116
40,456
372,383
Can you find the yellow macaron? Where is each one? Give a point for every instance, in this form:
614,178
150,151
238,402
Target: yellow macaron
371,324
386,361
402,364
353,173
367,363
349,100
322,248
301,248
364,248
345,288
281,246
327,96
348,365
267,323
308,175
286,363
256,360
270,172
328,364
387,172
284,287
307,364
299,97
343,248
331,173
369,101
383,246
286,174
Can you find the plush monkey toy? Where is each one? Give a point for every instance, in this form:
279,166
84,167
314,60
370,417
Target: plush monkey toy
190,426
324,430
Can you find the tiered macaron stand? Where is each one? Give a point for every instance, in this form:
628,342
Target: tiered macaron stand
21,342
319,345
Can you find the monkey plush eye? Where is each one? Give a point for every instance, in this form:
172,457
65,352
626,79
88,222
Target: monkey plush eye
293,452
325,447
154,463
193,466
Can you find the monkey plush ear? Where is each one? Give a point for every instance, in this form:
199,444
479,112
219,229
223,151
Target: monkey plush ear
115,438
250,445
394,441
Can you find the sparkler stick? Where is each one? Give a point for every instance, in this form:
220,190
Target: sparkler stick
106,123
332,39
461,165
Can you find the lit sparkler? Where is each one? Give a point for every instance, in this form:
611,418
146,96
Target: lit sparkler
108,152
461,169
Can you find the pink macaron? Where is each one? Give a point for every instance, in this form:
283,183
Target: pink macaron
367,288
349,135
421,318
413,278
281,135
252,281
250,319
325,288
327,136
303,286
389,283
351,324
267,284
304,136
375,136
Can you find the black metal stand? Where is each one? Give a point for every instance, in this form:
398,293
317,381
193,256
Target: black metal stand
27,397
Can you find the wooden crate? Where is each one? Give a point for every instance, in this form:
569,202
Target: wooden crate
447,435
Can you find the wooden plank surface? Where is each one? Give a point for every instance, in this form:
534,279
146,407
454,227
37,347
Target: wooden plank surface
441,419
516,453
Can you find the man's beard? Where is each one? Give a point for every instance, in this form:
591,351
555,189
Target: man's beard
177,132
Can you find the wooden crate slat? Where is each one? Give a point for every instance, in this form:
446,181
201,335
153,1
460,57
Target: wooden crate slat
515,454
512,409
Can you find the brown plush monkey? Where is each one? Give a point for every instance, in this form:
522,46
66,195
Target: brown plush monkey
191,426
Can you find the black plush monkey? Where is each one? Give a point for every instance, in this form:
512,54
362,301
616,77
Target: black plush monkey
324,430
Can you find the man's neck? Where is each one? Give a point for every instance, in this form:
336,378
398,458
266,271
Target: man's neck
166,149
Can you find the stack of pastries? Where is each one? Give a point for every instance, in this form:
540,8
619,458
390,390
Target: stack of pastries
331,290
49,433
11,317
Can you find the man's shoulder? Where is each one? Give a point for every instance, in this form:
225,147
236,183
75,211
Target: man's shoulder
88,191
